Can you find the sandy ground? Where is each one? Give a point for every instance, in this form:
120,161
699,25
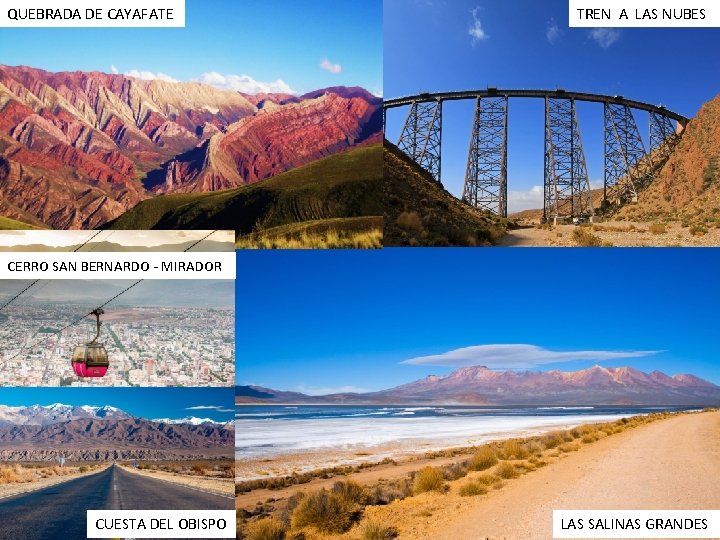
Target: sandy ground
617,233
668,464
221,486
8,490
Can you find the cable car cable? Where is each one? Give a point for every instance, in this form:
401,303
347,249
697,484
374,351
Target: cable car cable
99,307
18,295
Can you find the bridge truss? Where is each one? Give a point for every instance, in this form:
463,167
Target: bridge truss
628,166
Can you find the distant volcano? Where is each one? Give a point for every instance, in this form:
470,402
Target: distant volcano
479,385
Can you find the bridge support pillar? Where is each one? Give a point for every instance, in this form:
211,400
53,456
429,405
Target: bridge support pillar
486,173
628,167
566,185
421,136
664,136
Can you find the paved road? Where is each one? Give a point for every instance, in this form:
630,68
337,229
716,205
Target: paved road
60,511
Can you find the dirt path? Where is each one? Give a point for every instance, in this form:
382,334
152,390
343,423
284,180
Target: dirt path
670,464
525,237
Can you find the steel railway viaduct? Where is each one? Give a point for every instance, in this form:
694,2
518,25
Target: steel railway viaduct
629,167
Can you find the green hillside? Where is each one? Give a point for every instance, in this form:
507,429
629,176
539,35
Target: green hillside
345,185
8,224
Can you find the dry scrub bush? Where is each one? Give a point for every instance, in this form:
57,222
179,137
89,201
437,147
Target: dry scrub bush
428,479
657,228
409,221
265,529
331,511
13,474
472,488
483,459
377,531
512,449
506,471
585,238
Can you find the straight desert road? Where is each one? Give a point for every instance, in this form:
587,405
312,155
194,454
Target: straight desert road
671,464
59,511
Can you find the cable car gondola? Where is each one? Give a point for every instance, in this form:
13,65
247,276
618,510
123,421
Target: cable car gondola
91,359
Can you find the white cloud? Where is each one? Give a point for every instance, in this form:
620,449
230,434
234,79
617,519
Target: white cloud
516,356
327,65
324,390
149,75
605,37
552,32
378,93
204,407
244,83
114,70
525,200
476,30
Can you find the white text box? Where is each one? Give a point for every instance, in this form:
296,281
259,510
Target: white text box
644,14
161,523
120,265
92,14
636,523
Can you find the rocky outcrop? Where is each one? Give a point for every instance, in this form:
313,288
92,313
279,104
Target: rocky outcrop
276,139
80,148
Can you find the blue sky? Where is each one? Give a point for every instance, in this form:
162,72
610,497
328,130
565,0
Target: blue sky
267,40
318,321
214,403
438,45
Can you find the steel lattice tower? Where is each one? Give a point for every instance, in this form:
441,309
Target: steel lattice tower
663,137
486,173
628,167
567,187
421,136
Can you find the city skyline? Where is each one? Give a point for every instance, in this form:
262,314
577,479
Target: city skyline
356,318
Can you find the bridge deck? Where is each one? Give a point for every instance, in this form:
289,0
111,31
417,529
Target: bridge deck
493,92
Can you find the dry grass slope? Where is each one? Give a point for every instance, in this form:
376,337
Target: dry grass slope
419,212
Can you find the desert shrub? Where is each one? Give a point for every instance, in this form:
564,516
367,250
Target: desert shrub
381,495
324,510
83,469
350,493
483,459
472,488
569,447
200,467
512,449
489,480
428,479
585,238
506,471
588,438
657,228
377,531
551,440
265,529
455,470
698,230
14,474
409,221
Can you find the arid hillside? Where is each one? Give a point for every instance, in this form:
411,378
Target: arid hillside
420,212
688,187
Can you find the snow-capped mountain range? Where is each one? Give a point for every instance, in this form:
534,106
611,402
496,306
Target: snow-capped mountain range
46,415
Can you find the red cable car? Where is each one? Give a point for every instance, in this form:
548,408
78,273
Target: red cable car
91,359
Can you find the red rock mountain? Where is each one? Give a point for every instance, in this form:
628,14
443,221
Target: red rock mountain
482,386
79,149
